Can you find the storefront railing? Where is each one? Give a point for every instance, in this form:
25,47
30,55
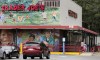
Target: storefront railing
96,49
71,48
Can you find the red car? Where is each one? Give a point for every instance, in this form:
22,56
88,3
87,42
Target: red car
34,49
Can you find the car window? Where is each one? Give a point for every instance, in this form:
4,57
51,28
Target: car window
7,47
31,44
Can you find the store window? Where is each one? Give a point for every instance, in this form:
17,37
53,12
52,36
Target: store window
52,3
74,38
47,4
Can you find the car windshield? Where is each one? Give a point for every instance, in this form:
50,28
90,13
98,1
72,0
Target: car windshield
7,47
31,44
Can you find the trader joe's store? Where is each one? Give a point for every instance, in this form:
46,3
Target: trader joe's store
52,19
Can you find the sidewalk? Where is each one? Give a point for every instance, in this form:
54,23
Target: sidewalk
87,54
96,54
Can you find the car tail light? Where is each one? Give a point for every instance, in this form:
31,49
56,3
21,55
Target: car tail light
38,47
24,48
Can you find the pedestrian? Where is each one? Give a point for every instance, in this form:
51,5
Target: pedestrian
85,47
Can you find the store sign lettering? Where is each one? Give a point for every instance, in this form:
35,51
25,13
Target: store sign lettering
21,7
72,14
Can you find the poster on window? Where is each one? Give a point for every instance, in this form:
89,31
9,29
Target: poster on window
29,12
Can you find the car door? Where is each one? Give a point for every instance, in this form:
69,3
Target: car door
1,52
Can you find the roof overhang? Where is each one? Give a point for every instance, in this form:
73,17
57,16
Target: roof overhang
84,29
34,27
50,27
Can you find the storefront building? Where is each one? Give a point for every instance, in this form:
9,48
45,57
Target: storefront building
53,18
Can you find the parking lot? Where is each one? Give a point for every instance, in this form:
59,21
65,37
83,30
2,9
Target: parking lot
63,57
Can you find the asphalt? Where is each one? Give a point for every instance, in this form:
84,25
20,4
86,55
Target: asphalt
85,56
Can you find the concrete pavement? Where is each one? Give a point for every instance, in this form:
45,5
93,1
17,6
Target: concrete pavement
87,54
90,54
96,54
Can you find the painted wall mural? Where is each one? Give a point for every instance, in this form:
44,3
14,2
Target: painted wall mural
49,36
29,12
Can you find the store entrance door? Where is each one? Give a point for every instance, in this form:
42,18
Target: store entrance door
63,34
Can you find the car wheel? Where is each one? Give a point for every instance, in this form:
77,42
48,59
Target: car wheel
9,56
48,56
32,57
17,55
24,57
41,57
4,56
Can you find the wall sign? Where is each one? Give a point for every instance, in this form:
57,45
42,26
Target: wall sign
72,14
21,7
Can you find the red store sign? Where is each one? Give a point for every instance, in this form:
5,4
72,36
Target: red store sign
72,14
21,7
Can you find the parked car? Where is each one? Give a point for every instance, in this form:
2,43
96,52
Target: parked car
9,51
2,53
34,49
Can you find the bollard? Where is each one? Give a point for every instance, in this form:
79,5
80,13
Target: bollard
21,48
63,45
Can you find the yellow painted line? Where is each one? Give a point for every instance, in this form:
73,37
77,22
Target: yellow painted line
72,53
68,53
55,52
